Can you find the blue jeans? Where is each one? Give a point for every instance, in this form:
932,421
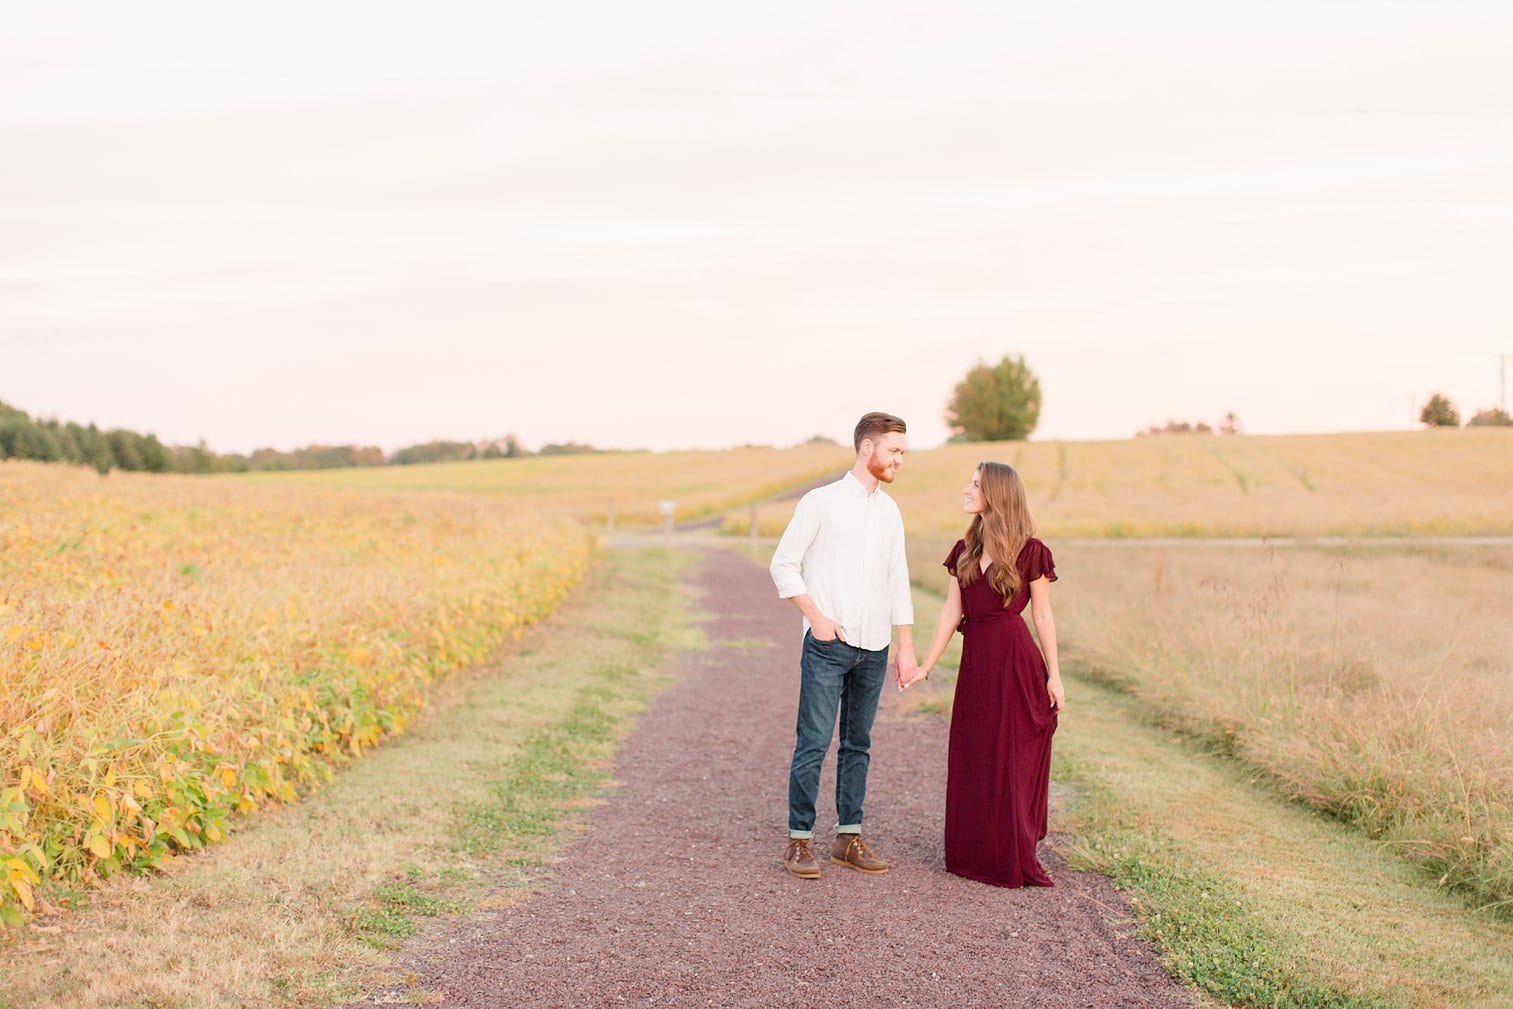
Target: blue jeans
836,679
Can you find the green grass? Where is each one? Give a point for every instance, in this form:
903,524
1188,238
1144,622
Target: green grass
396,906
1198,924
555,765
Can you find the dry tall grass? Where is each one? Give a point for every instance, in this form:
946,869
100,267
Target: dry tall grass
1422,482
1375,684
174,651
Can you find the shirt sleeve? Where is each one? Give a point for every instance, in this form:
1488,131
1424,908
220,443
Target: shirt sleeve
787,561
1041,562
901,594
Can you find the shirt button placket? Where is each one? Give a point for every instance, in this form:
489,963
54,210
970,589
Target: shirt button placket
869,550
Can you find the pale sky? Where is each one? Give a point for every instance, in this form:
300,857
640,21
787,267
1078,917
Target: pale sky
672,225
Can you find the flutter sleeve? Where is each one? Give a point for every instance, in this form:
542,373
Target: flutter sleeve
954,555
1041,563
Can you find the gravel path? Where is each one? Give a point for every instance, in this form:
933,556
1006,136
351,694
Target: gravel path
676,895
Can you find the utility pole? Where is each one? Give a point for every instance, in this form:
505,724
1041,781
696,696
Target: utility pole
1502,381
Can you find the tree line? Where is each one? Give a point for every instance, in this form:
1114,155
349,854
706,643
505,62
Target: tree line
1001,402
51,440
1441,412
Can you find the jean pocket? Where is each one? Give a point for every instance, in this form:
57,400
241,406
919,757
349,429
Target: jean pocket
820,642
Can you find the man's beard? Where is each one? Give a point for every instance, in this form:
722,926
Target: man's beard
879,470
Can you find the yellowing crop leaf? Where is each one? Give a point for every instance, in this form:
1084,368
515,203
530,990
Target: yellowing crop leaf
323,604
23,890
17,868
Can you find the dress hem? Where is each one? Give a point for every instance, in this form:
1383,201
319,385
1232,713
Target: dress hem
1002,886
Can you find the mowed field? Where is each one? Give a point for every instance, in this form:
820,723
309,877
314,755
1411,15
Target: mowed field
1376,484
586,487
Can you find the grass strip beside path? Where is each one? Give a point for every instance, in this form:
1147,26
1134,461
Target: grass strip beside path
1255,900
300,906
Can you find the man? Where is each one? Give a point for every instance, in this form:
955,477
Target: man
841,563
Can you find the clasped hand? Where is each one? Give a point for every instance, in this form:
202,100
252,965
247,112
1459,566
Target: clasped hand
907,671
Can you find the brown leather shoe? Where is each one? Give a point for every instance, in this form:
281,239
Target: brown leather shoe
851,851
798,858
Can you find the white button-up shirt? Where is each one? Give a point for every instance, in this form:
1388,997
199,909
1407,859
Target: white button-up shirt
844,548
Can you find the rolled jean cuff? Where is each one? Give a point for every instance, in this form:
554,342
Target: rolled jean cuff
800,835
848,828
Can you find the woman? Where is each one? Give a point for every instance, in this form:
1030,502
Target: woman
1007,694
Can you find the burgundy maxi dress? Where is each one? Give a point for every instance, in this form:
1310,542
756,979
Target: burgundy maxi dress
999,763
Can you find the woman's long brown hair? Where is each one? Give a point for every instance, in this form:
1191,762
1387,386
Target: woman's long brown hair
1002,528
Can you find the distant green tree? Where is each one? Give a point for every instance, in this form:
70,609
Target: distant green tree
508,447
94,448
1183,427
23,438
194,458
12,431
123,449
1493,417
567,448
336,456
435,451
1000,402
1440,412
268,459
68,440
156,457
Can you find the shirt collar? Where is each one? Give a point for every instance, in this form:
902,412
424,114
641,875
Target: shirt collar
856,488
